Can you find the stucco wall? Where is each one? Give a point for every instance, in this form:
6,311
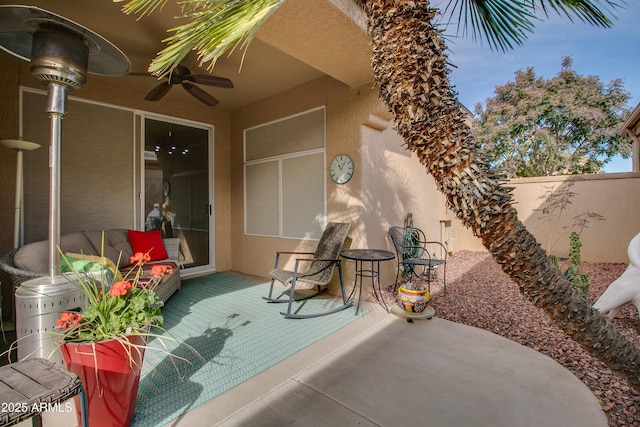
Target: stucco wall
253,254
614,196
394,185
388,182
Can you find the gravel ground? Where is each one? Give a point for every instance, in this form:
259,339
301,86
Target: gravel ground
479,294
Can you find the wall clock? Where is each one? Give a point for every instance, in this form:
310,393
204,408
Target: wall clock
341,169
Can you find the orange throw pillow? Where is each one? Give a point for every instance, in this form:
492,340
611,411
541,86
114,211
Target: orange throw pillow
148,242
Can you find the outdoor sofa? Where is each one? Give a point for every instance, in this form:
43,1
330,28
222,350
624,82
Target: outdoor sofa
32,260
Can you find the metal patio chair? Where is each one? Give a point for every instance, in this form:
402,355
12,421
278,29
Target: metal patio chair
321,265
413,256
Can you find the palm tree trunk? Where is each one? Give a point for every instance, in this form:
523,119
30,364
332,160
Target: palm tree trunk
410,68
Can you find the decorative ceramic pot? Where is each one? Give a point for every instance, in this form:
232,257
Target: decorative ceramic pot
413,301
110,373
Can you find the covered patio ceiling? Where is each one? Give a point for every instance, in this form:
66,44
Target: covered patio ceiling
302,41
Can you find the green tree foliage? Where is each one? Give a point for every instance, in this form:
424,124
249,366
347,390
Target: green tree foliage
565,125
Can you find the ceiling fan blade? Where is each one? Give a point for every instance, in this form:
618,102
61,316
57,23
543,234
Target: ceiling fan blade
200,94
210,80
158,92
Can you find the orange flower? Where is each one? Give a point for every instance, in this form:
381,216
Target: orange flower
63,320
140,258
120,288
67,319
159,270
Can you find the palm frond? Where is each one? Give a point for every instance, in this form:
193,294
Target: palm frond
213,28
141,7
503,23
593,12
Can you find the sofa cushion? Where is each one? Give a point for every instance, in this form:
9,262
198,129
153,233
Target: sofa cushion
35,256
148,242
116,245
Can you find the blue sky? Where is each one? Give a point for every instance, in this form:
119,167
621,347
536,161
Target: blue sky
607,53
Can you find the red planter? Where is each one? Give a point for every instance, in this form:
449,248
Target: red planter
110,373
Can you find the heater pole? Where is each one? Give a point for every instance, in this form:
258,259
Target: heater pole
56,107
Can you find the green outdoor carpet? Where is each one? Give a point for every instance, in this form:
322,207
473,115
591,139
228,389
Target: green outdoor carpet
238,334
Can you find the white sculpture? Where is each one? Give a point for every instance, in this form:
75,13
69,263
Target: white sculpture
626,288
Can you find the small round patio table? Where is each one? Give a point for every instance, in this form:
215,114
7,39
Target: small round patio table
374,257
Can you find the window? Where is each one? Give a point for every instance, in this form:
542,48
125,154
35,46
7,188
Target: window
284,177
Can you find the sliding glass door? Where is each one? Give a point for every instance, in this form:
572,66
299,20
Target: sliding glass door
177,187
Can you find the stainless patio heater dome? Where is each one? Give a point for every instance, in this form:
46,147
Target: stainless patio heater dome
61,53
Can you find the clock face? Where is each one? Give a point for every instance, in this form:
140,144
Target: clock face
341,169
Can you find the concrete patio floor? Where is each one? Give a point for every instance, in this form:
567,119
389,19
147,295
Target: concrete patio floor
384,371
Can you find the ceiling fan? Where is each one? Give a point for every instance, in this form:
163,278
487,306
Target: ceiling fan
182,75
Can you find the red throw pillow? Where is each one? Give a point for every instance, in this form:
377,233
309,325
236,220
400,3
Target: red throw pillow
148,241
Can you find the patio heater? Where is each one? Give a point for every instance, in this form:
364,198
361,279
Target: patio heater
61,52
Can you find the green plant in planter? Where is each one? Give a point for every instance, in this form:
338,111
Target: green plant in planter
411,239
126,307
